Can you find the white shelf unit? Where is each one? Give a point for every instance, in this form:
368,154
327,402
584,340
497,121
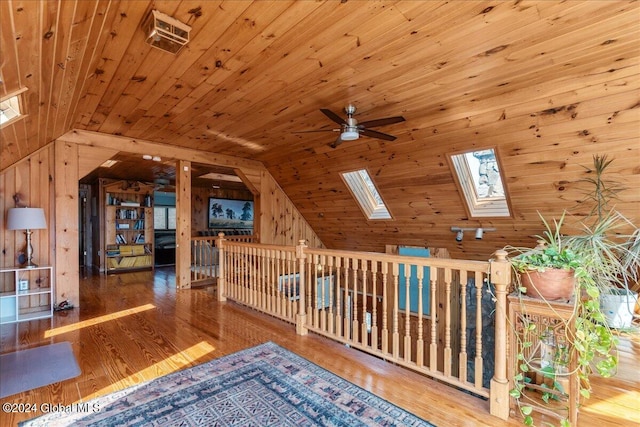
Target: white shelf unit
26,294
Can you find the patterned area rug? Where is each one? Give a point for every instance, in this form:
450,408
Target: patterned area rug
261,386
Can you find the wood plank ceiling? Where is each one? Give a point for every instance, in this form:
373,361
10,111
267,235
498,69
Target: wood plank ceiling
548,84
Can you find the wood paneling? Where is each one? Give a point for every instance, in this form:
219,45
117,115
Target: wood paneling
548,84
66,224
280,221
29,184
200,204
183,223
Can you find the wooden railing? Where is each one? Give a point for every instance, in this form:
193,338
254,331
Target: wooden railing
205,259
441,317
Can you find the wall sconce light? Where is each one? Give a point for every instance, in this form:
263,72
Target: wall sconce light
26,219
479,232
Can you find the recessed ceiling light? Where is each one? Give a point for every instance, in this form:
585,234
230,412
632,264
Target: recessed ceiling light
147,157
156,158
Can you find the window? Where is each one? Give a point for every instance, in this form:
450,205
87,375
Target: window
164,218
10,109
366,193
479,178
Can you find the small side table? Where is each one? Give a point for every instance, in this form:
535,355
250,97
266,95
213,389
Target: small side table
549,352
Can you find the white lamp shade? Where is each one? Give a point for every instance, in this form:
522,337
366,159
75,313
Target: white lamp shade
26,219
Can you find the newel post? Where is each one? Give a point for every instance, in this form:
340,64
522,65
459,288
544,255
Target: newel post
301,317
499,388
222,295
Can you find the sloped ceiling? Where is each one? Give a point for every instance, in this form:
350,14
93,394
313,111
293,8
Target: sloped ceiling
548,84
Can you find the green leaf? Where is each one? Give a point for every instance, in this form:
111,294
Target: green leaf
528,420
526,410
585,393
515,394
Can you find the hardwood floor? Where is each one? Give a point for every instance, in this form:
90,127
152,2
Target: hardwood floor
135,327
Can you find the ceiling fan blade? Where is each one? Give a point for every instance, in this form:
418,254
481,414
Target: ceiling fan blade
337,142
376,134
316,130
381,122
333,116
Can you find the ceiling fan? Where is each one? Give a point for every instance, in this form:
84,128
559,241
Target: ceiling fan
351,130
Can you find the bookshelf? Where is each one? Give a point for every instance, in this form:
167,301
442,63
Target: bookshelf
128,226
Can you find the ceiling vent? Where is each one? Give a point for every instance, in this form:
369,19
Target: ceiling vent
165,33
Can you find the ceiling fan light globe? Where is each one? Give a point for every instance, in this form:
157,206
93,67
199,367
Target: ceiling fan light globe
349,135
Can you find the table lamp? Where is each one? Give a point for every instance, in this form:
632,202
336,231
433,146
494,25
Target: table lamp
26,219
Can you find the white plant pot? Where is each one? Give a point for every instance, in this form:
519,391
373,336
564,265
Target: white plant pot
618,307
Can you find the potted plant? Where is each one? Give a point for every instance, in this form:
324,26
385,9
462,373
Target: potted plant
603,258
577,344
614,251
548,270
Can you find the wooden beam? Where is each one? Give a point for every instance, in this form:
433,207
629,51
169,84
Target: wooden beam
183,224
66,224
140,146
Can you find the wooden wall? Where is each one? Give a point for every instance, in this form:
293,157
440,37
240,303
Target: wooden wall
200,204
29,183
280,221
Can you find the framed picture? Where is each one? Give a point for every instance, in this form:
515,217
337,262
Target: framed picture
23,285
229,213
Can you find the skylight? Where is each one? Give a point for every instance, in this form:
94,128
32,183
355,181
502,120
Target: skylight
481,182
366,193
9,110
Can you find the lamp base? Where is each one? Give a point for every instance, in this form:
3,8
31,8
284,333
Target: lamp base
29,263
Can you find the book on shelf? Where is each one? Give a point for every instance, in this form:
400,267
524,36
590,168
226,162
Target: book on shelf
130,204
126,214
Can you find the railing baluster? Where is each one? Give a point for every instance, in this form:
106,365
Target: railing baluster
478,359
420,340
331,296
385,316
462,364
354,308
374,305
433,348
364,334
407,313
447,323
395,335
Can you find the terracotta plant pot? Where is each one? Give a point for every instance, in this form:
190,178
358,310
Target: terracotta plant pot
553,284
